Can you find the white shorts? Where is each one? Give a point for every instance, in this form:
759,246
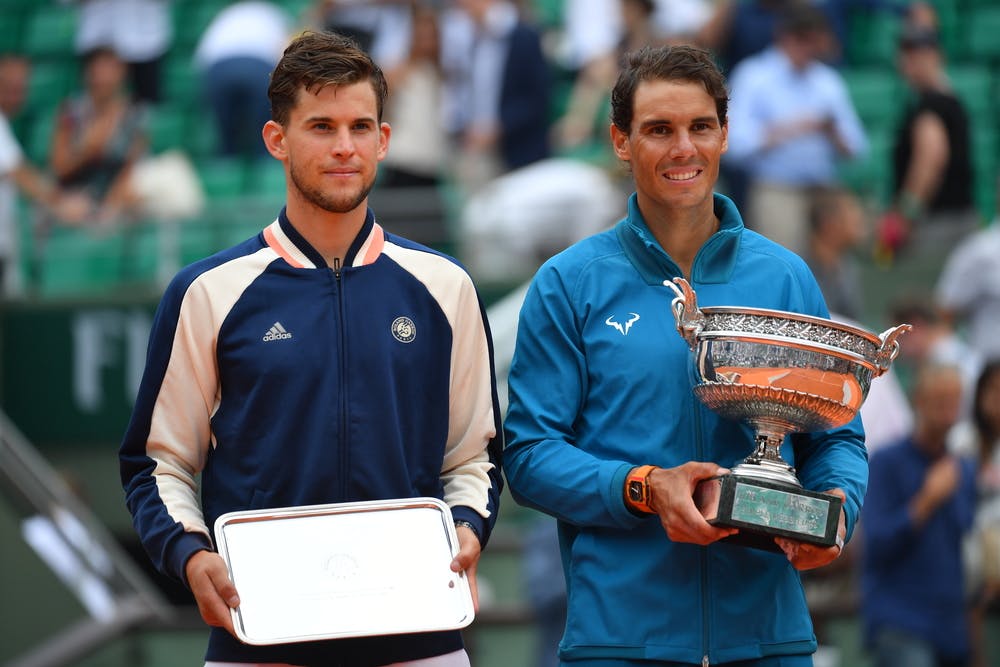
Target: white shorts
457,659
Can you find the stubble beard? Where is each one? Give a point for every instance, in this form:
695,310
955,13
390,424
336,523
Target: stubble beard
342,202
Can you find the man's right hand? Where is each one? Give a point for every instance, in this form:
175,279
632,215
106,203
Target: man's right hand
215,594
672,496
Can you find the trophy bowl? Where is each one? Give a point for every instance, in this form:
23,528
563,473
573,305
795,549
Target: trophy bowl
782,373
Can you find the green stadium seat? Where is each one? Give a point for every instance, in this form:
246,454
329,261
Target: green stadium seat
180,82
167,128
11,29
38,144
50,33
973,84
872,38
78,262
49,83
875,92
223,178
982,34
871,177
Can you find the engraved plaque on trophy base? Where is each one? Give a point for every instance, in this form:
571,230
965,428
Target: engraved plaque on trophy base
764,509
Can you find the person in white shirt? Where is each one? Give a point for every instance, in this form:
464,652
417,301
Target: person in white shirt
140,32
968,289
234,57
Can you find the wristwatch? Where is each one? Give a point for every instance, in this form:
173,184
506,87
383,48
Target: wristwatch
637,489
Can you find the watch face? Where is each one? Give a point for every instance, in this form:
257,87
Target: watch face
635,491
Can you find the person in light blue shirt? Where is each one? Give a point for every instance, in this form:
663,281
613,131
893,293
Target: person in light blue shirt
792,123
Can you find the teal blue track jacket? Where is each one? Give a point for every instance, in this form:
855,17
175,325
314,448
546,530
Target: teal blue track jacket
601,382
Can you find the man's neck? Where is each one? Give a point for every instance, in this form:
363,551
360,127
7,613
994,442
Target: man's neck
331,234
682,233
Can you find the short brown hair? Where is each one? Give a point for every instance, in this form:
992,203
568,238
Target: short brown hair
680,62
314,60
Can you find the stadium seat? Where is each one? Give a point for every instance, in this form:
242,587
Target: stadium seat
876,93
974,85
167,128
871,177
872,38
982,35
222,178
50,32
11,29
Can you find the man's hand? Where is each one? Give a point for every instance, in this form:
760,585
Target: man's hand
467,559
215,594
672,496
940,482
804,556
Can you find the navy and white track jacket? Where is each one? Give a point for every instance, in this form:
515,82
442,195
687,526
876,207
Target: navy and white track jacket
284,382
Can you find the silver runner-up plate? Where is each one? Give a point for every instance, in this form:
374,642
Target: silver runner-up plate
344,570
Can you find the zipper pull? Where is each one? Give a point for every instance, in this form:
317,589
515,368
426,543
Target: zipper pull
704,661
336,267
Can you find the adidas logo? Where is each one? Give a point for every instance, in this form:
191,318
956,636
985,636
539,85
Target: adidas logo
276,332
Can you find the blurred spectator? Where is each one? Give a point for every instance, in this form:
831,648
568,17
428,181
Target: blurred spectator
545,587
581,122
791,122
413,109
511,225
16,175
886,413
933,175
15,75
380,27
738,29
932,340
140,32
919,508
968,289
979,439
234,57
498,90
837,227
99,135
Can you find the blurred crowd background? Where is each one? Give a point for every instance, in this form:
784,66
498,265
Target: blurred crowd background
863,135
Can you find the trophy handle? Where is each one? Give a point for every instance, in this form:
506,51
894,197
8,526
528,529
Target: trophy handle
890,347
690,320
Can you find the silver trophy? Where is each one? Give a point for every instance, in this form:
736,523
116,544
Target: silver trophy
782,373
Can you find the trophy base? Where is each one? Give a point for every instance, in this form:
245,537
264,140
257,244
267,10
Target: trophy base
764,509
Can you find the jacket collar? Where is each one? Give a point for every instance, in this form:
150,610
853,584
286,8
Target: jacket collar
282,237
714,262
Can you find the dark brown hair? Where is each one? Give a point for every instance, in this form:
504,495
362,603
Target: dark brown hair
314,60
680,62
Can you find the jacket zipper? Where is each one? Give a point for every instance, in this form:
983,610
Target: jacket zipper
700,452
342,398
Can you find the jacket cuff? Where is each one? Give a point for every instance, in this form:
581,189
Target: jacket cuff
186,546
479,525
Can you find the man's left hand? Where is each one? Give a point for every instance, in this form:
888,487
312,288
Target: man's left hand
805,556
467,559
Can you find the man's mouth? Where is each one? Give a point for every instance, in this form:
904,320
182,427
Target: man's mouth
682,175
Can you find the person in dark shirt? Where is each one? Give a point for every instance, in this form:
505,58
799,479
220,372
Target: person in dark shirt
920,505
933,204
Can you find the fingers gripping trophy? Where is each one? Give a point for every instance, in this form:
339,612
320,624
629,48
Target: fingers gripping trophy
782,373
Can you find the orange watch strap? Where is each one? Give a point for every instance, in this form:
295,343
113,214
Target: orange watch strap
637,489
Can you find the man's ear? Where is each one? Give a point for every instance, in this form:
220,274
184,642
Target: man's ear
274,139
620,143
